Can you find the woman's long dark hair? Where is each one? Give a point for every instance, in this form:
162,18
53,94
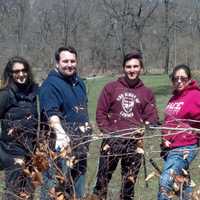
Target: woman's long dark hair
7,78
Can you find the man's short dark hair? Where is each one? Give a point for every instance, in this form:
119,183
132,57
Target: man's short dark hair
63,48
134,54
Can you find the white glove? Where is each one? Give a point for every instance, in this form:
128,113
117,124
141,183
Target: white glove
62,139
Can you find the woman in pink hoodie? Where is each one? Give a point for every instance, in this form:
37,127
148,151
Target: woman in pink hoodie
180,138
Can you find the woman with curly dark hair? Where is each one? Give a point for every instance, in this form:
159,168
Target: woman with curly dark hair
18,115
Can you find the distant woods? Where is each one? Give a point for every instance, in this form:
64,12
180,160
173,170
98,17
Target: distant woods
166,31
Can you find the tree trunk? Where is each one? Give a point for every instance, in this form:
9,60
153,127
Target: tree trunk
166,37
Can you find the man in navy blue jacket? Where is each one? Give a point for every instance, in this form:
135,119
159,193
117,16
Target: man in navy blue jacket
63,103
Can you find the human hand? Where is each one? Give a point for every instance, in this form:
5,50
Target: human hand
62,139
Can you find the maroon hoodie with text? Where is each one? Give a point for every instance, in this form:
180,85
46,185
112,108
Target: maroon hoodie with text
182,111
121,106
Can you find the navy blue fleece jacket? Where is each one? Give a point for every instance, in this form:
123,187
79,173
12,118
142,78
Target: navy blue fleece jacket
64,97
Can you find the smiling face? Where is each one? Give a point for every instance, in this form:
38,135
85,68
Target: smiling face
180,80
132,69
19,73
67,63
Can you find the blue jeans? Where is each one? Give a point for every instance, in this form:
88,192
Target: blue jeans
50,181
80,186
175,162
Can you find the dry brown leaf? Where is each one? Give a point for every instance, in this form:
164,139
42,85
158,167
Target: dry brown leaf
140,150
150,176
60,196
192,183
61,179
73,198
196,194
65,152
40,161
131,178
140,143
92,197
71,162
185,154
36,184
37,176
69,150
185,172
176,186
180,179
24,195
27,172
52,155
10,132
106,147
52,193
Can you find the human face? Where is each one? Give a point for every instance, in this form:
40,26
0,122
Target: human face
180,80
67,63
19,73
132,69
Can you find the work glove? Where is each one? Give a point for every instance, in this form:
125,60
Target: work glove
62,139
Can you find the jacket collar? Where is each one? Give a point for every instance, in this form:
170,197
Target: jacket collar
72,80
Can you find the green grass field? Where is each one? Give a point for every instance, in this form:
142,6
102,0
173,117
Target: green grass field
161,86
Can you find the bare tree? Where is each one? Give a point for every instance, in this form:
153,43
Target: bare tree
128,21
20,16
68,15
166,36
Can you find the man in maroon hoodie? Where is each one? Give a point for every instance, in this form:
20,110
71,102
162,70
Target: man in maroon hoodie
182,116
123,106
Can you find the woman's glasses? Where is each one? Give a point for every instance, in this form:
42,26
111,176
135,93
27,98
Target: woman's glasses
180,78
17,71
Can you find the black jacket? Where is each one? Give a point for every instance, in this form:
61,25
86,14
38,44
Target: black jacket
18,115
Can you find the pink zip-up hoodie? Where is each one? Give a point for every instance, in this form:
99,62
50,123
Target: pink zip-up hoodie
181,112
